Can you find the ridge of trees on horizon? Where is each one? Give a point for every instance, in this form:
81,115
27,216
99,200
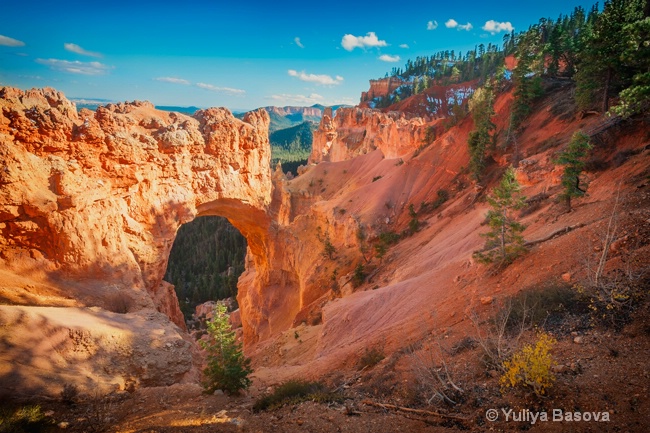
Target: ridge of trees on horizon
606,53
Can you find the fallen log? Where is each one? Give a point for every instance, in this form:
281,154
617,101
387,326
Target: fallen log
560,232
416,411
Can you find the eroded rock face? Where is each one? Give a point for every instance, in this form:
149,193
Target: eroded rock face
91,201
357,131
382,87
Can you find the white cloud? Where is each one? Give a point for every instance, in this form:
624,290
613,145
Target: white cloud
297,41
76,67
77,49
172,80
404,46
350,42
323,79
432,25
10,42
453,24
388,58
285,98
495,27
226,90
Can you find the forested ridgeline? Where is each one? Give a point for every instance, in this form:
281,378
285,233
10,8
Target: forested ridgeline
605,52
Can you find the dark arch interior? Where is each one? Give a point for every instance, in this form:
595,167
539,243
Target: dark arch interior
205,262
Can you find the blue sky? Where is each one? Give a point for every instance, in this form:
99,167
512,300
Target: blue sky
244,55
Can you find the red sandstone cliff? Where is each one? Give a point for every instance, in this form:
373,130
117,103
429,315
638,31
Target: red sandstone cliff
383,87
90,203
366,176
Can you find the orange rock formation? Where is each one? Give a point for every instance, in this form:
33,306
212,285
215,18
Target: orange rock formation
382,87
357,131
91,202
94,201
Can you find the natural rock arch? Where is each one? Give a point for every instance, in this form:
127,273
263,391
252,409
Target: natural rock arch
91,202
101,194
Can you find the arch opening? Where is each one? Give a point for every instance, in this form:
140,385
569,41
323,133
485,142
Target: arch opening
205,262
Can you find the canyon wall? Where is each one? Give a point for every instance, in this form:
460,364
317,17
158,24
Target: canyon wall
357,131
382,87
90,202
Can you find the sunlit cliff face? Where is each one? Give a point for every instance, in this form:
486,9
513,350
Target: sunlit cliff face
100,195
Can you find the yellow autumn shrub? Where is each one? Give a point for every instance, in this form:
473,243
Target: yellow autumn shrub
531,366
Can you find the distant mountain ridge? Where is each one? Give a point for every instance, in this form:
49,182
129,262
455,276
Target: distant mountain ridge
289,116
313,111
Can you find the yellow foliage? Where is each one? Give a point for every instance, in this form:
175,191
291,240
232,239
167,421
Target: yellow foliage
531,366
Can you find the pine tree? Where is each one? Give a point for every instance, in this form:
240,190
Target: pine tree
228,369
504,241
482,108
573,160
601,71
526,75
636,98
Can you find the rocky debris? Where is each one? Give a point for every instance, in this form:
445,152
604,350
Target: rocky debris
534,171
205,310
486,300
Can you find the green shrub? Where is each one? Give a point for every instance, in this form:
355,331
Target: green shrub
385,239
359,276
429,135
443,196
24,419
228,369
294,392
388,238
573,160
329,250
414,223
